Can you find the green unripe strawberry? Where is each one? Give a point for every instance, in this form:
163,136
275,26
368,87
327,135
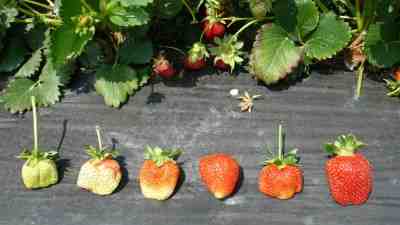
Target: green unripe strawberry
41,174
101,174
39,170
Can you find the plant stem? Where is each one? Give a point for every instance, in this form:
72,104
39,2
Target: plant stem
99,137
245,27
359,17
38,4
280,141
194,19
322,6
173,48
360,77
25,11
35,130
87,6
30,8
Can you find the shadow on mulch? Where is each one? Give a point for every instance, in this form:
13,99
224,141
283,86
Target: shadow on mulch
122,163
62,164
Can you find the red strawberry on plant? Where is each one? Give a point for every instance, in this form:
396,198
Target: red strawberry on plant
196,58
39,170
220,173
349,173
102,173
212,29
227,52
281,177
163,67
160,173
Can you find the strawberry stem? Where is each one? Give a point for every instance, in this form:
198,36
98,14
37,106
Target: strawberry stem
244,27
359,80
99,137
280,140
35,130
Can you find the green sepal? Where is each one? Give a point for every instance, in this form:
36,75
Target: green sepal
345,145
228,49
290,158
100,154
160,156
33,157
198,51
393,87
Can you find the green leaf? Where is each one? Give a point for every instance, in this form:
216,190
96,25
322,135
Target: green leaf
116,83
285,12
168,9
331,36
69,8
66,44
307,16
129,17
274,54
31,66
128,3
138,51
382,44
13,55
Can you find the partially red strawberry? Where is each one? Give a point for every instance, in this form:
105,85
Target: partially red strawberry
160,173
227,52
213,29
196,58
220,173
281,177
349,174
163,67
102,173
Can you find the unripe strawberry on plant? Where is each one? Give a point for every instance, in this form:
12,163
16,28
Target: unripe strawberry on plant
163,68
281,177
159,173
39,170
227,52
349,174
220,173
102,173
196,58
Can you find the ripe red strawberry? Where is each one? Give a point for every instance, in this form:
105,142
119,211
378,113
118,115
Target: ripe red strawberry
281,177
349,174
196,58
102,173
163,67
40,169
220,173
220,64
159,174
213,29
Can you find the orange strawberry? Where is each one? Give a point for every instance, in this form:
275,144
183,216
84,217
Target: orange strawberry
101,174
160,173
281,177
220,173
349,174
396,74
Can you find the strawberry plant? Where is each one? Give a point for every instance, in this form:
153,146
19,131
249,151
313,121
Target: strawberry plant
300,34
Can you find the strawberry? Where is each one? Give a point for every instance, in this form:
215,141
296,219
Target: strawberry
196,58
40,169
349,174
160,173
213,29
227,52
102,173
220,173
396,74
281,177
163,67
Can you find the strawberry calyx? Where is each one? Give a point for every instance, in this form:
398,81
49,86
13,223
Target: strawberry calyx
345,145
100,153
282,160
197,52
228,50
160,156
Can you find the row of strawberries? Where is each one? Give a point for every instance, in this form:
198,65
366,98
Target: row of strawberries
349,174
